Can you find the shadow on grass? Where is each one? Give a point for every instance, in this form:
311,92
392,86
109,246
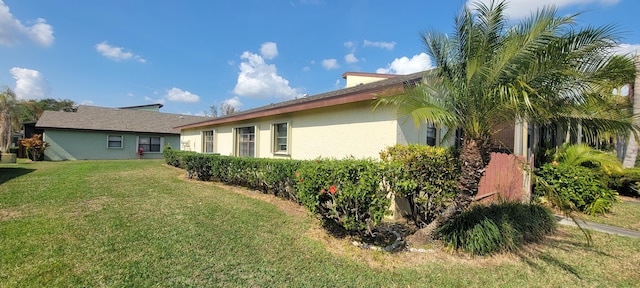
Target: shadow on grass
8,173
531,254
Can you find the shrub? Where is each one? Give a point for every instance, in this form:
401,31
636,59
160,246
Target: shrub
425,175
507,226
175,157
279,177
627,182
574,186
346,193
198,165
35,147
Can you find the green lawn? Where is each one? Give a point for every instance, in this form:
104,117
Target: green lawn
138,224
623,214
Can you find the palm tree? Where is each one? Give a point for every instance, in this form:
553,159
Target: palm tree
8,119
488,73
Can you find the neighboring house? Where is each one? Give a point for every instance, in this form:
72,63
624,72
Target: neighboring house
111,133
335,124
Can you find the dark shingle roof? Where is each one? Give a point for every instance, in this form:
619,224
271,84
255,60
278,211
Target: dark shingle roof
116,119
352,94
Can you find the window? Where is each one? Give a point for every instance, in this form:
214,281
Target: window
431,136
114,141
280,138
207,138
149,144
246,141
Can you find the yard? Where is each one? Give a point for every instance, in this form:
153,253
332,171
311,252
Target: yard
138,223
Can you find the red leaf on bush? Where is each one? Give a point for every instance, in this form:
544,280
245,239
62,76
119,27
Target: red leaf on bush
333,189
323,192
297,174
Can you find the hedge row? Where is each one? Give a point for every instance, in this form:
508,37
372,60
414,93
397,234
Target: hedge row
426,176
349,193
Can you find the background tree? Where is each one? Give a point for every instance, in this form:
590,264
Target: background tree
30,110
8,119
542,69
227,109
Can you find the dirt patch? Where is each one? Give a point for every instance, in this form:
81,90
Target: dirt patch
87,206
10,213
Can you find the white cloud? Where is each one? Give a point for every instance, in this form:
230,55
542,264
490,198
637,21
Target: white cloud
631,49
179,95
404,65
383,45
116,53
350,58
152,100
30,84
349,44
258,79
233,102
269,50
12,31
330,64
518,9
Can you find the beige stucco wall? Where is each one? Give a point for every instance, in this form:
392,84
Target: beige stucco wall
354,80
333,132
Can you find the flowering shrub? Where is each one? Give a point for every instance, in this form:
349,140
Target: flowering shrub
426,176
343,192
576,186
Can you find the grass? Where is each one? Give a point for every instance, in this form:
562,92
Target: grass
138,224
623,214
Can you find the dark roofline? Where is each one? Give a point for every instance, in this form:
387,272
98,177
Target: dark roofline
110,131
353,94
142,106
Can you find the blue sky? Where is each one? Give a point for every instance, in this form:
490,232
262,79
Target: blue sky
189,55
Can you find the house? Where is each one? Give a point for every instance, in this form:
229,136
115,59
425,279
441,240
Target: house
111,133
335,124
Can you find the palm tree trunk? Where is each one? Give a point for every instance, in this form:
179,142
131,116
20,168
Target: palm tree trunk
474,158
632,145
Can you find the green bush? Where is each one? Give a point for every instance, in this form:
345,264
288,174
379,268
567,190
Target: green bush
627,182
175,157
346,193
425,175
507,226
199,165
575,186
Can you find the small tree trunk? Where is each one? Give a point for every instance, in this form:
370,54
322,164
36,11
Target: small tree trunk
632,145
474,159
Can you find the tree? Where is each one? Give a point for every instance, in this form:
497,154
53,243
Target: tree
213,109
30,110
632,145
227,109
487,73
8,119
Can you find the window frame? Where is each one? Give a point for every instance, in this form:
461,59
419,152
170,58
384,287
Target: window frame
109,141
275,137
238,144
161,142
213,141
431,140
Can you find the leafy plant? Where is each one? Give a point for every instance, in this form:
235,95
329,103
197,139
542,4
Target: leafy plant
574,188
35,147
507,226
426,176
343,192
